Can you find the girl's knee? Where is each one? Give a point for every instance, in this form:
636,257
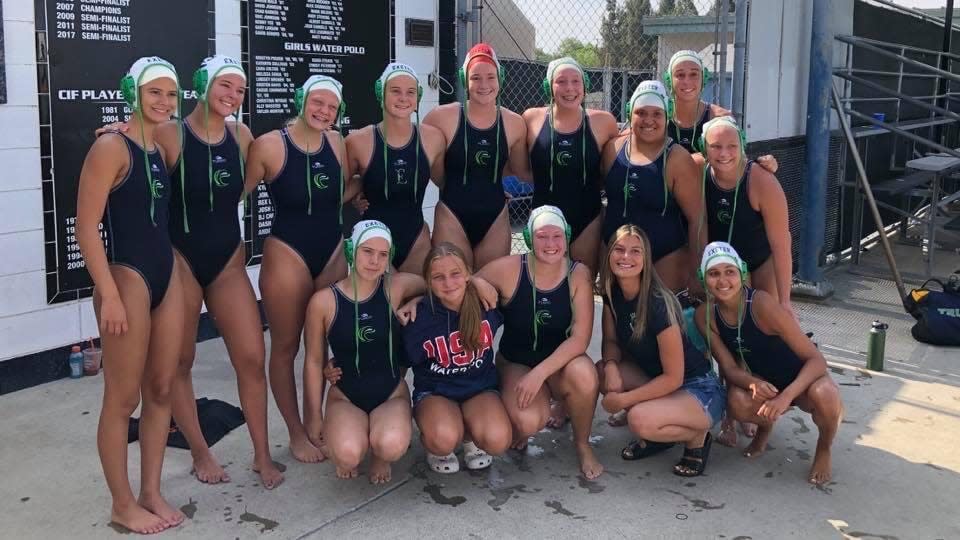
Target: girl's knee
580,376
121,403
442,438
390,445
529,421
641,424
348,454
495,438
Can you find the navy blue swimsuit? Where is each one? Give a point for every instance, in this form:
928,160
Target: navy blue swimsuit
401,208
640,190
136,218
207,199
742,228
314,235
473,189
554,315
370,383
578,197
768,357
440,364
686,137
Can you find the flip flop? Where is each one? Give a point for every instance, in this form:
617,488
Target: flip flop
640,449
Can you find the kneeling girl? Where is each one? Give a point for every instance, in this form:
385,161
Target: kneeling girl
450,348
668,389
369,406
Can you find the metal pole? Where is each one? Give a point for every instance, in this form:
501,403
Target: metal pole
739,59
722,43
868,193
945,61
817,145
476,19
462,16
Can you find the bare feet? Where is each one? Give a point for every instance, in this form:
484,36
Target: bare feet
520,444
137,519
345,474
159,506
558,415
759,443
617,419
748,429
270,475
208,470
820,471
728,433
589,466
380,471
303,450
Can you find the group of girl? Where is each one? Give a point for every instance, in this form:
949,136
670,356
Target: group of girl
392,297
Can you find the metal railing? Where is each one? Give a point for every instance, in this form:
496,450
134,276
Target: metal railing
936,105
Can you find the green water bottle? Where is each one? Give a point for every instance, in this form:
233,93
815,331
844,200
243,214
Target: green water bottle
875,346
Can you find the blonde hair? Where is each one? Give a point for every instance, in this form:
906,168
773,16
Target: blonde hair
650,283
471,312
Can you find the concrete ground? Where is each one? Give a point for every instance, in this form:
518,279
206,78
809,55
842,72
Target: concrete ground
896,467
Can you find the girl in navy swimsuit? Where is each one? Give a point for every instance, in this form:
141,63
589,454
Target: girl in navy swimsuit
547,305
395,160
308,176
206,187
368,408
138,298
651,182
565,141
767,361
482,138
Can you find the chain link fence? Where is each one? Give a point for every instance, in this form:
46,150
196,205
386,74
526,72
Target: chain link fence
618,42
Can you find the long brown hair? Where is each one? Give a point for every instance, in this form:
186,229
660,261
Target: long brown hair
471,312
649,282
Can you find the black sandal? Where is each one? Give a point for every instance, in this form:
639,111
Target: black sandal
640,449
694,460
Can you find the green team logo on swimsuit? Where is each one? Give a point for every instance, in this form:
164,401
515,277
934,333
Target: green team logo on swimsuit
740,347
482,158
723,216
633,319
366,334
563,158
156,189
543,317
221,178
320,180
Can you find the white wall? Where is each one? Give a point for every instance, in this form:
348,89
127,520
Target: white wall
27,323
779,64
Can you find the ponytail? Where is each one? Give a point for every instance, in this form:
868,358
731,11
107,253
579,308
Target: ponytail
471,317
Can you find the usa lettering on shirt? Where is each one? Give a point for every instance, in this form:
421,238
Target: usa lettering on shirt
448,356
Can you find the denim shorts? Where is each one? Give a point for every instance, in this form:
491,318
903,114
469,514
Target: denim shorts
711,395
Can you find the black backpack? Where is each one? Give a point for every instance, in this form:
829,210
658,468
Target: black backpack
937,312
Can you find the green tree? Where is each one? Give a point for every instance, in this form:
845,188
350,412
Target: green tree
587,54
542,55
667,8
686,7
639,49
611,34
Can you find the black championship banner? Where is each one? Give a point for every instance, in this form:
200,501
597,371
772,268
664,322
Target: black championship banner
91,45
288,41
